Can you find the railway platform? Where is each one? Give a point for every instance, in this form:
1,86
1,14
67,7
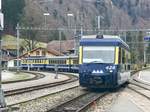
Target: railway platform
144,76
47,79
130,102
125,104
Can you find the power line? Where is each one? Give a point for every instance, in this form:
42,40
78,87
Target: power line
84,29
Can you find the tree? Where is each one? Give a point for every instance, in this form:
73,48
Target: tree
12,10
31,17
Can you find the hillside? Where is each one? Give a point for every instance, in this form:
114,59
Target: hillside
117,13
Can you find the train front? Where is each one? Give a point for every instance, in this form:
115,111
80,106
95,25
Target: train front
97,64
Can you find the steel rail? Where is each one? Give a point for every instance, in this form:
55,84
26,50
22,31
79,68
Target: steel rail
79,103
135,90
12,105
38,87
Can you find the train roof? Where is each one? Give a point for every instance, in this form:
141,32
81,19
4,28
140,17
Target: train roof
105,40
50,57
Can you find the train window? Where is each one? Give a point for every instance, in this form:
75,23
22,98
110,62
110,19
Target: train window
126,57
60,61
119,61
125,67
33,61
123,56
52,61
49,61
129,67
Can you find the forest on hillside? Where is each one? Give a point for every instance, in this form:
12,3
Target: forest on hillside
115,15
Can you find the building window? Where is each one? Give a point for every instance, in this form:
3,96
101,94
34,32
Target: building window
37,53
43,53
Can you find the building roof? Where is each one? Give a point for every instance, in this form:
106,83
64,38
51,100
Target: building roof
65,46
51,51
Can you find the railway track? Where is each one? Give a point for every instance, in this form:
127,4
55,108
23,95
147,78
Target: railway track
79,103
135,81
138,87
140,90
44,96
33,88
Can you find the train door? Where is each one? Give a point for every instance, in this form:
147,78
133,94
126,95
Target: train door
123,73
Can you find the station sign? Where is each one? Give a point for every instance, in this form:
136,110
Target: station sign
147,38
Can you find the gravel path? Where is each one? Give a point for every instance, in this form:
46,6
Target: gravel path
38,93
45,103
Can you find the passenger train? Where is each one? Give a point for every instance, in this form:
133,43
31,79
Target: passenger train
104,61
64,63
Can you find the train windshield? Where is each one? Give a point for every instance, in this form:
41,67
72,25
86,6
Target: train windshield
98,54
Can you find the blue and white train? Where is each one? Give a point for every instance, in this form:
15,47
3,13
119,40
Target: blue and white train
104,61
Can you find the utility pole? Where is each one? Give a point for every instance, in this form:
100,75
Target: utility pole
2,99
60,40
18,36
144,54
98,23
